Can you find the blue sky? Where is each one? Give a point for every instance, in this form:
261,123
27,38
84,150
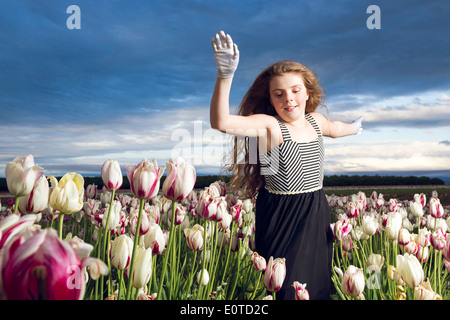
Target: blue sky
135,81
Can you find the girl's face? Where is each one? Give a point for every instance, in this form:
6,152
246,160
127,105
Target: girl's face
288,96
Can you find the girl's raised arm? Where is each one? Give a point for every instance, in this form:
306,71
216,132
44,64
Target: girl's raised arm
226,55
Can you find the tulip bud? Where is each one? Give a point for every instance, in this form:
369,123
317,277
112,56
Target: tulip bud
114,215
424,292
21,175
420,199
259,262
112,175
91,191
121,251
194,237
142,267
144,179
342,228
275,274
203,277
180,179
393,225
410,270
436,208
403,237
37,200
416,209
375,262
438,239
353,281
369,225
300,291
155,239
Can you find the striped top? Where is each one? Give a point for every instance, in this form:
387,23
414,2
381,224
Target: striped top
294,167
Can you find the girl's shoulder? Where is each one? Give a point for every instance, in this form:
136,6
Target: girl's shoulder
319,118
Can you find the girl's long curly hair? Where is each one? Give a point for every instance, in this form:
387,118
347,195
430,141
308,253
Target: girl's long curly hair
246,177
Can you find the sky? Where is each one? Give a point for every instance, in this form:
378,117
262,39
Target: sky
135,79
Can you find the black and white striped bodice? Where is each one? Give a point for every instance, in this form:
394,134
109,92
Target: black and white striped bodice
294,167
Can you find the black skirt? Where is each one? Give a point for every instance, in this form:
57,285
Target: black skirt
297,228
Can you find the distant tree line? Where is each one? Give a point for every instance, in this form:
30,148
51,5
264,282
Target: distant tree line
376,180
330,181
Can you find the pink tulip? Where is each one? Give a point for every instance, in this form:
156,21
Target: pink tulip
121,251
275,274
353,281
447,266
21,175
91,191
423,253
259,262
37,200
236,211
144,179
208,203
195,237
438,239
155,239
180,179
44,267
300,291
341,228
112,175
445,250
436,208
353,209
12,231
420,199
133,220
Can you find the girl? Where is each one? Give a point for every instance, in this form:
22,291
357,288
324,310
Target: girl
292,213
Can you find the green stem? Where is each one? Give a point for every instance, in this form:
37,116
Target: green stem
228,254
167,253
60,225
16,204
107,223
200,285
120,274
256,287
133,257
238,268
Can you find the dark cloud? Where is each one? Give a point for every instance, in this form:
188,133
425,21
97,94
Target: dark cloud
143,57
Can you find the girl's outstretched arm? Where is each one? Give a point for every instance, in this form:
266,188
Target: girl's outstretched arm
337,129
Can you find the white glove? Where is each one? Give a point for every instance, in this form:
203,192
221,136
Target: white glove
226,55
358,124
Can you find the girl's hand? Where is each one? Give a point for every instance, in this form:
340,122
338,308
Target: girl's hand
226,55
358,124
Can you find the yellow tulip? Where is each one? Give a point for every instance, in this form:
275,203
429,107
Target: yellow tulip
67,196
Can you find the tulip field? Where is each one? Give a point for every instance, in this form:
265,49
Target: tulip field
65,240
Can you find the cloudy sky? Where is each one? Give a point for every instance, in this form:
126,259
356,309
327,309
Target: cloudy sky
136,79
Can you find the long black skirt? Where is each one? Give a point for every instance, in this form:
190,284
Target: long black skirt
297,228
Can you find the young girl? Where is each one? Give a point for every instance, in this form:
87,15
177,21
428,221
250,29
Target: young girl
292,213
